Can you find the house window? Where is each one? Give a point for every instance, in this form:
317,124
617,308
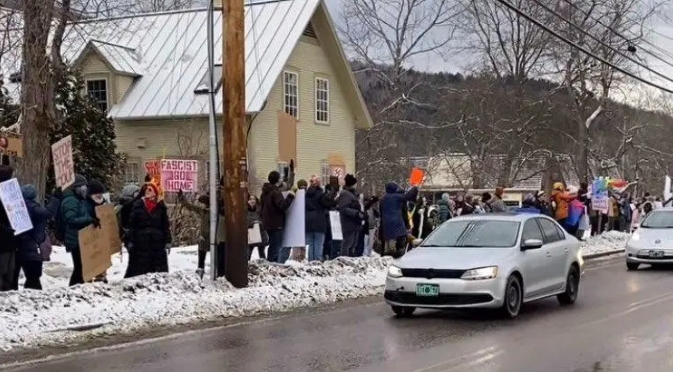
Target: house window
291,93
97,90
325,173
322,100
132,173
207,170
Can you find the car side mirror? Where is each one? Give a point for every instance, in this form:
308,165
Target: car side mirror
416,242
531,244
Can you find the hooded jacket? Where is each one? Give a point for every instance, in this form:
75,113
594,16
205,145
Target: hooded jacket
76,216
39,217
444,208
391,205
274,206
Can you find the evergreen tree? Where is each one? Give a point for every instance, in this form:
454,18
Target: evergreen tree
93,133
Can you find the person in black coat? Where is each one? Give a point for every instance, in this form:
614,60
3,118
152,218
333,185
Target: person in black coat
150,234
318,203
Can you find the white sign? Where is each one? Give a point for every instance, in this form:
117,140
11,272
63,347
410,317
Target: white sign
294,234
601,204
15,206
254,235
64,167
667,188
335,225
179,175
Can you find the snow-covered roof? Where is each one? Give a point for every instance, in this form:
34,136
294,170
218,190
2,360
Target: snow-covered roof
168,52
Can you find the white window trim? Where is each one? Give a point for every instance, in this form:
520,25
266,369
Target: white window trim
315,100
129,164
296,74
107,90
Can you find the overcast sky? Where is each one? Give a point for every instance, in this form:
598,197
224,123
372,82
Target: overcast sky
660,34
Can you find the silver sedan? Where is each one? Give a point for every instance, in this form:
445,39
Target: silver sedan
652,242
487,261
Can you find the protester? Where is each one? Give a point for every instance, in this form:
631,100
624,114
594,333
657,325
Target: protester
33,243
560,200
497,204
76,215
575,212
625,213
351,216
371,222
202,210
96,198
421,220
130,193
486,199
8,242
255,218
273,207
318,204
542,204
393,228
444,208
150,234
331,246
613,212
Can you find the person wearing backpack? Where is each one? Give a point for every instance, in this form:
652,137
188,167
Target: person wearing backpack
75,215
30,257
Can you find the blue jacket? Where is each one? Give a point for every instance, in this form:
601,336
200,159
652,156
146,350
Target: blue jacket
39,217
391,204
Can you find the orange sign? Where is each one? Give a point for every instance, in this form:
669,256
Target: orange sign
416,177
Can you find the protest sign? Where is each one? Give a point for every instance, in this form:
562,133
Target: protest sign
254,234
294,234
109,226
15,206
153,169
599,195
335,224
416,177
11,144
64,167
94,252
179,175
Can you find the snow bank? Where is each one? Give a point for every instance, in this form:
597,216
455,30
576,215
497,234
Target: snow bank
609,241
59,314
32,318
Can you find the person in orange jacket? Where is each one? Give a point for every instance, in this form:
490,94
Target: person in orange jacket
560,198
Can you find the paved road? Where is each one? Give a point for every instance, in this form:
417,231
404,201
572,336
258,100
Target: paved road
623,322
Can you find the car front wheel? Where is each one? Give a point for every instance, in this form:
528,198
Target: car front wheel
513,298
631,266
403,311
572,287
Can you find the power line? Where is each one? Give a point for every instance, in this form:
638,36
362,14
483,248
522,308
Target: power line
601,42
569,2
582,49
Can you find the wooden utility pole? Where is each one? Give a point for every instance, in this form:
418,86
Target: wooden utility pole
234,144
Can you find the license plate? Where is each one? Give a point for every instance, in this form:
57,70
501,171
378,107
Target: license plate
653,253
427,290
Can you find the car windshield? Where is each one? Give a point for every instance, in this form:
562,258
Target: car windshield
658,220
474,233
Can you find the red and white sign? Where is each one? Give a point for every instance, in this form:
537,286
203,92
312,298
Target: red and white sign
64,167
179,175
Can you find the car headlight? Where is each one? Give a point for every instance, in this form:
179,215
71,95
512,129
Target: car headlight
481,273
394,272
636,236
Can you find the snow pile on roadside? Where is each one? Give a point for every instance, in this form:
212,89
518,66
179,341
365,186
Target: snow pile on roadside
32,318
608,241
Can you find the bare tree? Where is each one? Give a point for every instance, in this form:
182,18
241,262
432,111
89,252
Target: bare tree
596,25
386,37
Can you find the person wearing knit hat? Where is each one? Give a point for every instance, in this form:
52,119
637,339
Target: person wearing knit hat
351,216
76,215
150,234
273,207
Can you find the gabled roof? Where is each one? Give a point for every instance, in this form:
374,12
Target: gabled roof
121,59
168,52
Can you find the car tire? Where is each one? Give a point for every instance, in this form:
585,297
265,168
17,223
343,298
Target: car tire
513,298
632,266
572,287
403,311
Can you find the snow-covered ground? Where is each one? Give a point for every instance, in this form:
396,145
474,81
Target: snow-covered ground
58,314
